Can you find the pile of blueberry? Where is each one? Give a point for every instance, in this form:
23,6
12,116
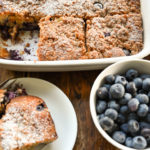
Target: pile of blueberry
123,108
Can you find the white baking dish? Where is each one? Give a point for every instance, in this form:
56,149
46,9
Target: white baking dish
72,65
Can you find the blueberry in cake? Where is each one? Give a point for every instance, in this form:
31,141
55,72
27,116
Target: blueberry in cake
7,94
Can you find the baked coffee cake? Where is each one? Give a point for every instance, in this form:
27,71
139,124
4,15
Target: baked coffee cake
26,124
61,38
115,33
73,29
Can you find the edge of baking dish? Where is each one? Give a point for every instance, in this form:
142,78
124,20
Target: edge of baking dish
90,64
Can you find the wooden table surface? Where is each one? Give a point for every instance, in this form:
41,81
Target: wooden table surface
77,86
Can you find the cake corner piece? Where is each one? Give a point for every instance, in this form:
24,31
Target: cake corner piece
26,124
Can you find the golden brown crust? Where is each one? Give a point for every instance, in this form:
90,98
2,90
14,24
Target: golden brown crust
119,31
32,123
61,38
74,8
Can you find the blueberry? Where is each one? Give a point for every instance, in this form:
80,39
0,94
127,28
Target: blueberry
14,55
5,33
127,52
121,119
106,123
148,95
107,86
143,98
143,110
102,93
132,116
144,125
107,34
148,117
28,51
119,136
133,104
133,126
131,88
145,132
111,113
100,116
11,95
124,110
124,127
117,91
110,79
139,142
40,107
129,142
144,76
127,97
114,105
146,84
98,5
131,74
101,106
121,79
138,83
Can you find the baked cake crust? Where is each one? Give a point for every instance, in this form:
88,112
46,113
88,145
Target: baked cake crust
114,33
61,38
26,123
30,11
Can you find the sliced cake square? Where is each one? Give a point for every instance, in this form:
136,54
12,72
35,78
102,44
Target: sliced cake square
113,35
61,38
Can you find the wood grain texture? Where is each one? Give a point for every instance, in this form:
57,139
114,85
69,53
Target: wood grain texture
77,86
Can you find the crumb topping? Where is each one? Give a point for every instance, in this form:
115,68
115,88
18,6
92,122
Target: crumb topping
64,38
118,31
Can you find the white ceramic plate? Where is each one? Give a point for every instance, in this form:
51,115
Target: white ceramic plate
61,110
91,64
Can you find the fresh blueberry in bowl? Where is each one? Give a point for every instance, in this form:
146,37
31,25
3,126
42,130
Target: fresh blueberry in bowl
117,91
123,117
131,74
119,136
139,142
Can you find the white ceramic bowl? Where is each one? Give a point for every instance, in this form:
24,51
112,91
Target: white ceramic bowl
143,66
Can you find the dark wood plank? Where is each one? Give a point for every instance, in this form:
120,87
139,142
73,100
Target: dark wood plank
77,86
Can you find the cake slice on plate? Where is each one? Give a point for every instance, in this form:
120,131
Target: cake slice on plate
27,123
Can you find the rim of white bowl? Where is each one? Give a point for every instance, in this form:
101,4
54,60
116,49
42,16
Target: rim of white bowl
96,84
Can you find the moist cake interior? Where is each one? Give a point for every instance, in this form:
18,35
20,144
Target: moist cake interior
21,28
11,92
